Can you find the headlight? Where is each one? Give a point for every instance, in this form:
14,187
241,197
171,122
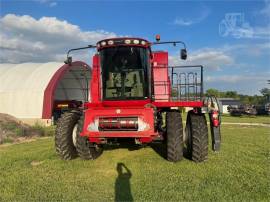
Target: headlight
93,127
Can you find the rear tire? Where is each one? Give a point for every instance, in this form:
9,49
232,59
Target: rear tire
197,137
85,149
64,145
174,136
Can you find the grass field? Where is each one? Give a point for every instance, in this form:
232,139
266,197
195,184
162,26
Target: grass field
246,119
241,119
240,172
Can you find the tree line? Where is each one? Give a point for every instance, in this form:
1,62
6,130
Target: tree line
245,99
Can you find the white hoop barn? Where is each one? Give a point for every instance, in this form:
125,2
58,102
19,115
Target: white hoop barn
28,91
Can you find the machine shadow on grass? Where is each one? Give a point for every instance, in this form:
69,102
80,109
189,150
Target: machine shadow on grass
123,143
160,149
122,183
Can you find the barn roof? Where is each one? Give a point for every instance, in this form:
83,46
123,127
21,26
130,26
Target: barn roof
26,89
26,76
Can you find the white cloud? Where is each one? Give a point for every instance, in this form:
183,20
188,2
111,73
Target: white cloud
188,21
227,69
210,58
52,4
49,3
234,25
233,79
266,10
249,50
244,83
262,32
223,56
183,22
24,38
252,32
217,61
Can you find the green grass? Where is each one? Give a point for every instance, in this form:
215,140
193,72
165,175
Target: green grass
14,128
240,172
246,119
43,130
241,119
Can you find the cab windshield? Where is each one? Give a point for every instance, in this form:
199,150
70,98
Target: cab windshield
124,73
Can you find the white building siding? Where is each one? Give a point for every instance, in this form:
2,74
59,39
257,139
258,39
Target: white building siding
22,88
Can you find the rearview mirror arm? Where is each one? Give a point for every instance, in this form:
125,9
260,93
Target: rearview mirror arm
169,42
75,49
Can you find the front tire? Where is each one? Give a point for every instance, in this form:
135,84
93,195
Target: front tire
197,137
63,135
85,149
174,136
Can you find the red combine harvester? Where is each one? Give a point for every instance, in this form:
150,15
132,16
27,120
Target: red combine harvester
136,95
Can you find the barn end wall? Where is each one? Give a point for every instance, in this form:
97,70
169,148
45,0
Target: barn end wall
52,85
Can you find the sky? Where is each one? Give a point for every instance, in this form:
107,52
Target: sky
230,38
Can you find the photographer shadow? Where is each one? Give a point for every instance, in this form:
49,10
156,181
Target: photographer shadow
122,183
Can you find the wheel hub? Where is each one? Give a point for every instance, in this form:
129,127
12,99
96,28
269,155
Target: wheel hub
74,135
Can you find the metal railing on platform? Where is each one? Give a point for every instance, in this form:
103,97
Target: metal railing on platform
185,84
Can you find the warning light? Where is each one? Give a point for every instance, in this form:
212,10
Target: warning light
157,37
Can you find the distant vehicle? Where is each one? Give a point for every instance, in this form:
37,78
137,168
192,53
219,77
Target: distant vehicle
242,110
263,109
267,108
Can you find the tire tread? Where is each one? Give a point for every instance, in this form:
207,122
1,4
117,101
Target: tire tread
63,135
199,135
174,136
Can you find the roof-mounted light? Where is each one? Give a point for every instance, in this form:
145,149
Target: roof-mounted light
157,37
103,43
127,41
143,42
136,41
110,42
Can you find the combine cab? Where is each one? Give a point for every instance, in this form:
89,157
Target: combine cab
135,94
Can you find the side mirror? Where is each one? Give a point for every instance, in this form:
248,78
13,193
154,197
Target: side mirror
183,54
68,60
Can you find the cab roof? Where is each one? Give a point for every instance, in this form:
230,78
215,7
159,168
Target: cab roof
123,41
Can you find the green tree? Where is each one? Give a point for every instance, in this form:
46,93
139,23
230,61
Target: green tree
266,93
245,99
212,91
231,94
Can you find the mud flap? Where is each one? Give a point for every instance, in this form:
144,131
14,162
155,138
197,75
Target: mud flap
215,121
215,136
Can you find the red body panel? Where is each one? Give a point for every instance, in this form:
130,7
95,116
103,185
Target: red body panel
122,104
161,79
95,81
92,116
130,108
